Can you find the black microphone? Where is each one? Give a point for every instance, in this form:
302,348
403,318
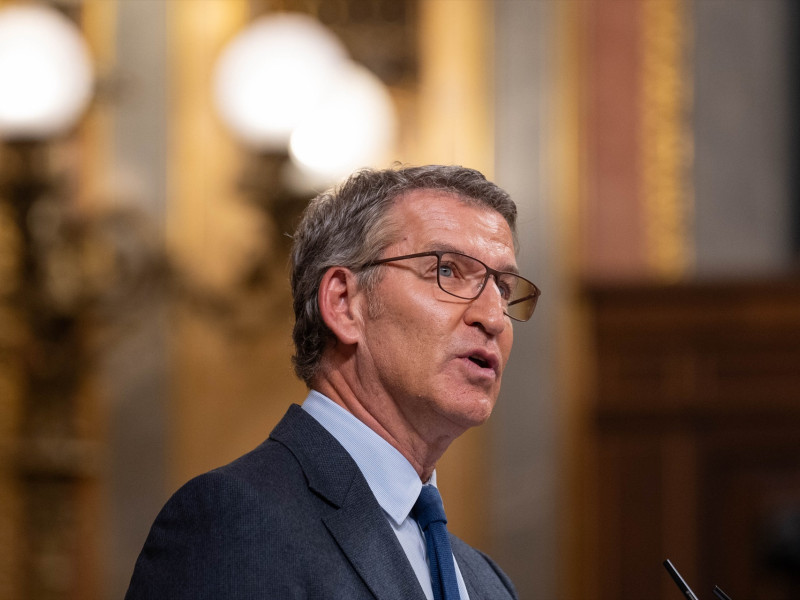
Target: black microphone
720,594
684,587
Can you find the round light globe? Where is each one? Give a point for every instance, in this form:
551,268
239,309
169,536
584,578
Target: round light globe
271,74
353,127
45,73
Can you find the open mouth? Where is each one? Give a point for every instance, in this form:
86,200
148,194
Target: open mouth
484,364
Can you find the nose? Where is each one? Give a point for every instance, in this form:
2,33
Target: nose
487,310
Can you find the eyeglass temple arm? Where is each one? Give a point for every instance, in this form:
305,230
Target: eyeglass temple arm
523,299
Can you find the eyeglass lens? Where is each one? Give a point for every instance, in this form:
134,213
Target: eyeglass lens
465,277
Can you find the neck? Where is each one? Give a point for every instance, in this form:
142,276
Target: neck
381,413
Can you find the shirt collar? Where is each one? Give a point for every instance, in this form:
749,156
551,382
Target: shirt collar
390,476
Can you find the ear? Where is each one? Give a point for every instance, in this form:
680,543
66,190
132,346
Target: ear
340,304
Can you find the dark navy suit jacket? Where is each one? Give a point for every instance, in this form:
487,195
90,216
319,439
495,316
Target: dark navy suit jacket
294,518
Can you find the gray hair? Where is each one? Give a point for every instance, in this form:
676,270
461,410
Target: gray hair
349,226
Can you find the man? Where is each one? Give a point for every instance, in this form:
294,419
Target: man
405,286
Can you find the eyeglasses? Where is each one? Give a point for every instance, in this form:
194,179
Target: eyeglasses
465,277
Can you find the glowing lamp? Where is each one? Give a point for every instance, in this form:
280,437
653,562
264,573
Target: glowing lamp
272,74
45,73
353,126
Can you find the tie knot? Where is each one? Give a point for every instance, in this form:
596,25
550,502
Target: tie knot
428,507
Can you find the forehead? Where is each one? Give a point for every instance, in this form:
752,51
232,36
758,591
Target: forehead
437,219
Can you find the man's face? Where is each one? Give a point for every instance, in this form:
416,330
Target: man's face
438,358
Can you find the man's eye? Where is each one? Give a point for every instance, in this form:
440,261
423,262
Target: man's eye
506,288
445,271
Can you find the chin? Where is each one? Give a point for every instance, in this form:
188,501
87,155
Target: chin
475,411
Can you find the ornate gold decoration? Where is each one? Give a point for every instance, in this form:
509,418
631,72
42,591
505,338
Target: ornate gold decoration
666,137
380,34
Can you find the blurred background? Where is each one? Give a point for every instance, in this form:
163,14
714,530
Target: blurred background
154,155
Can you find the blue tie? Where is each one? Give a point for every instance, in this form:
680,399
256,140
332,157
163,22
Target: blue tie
429,513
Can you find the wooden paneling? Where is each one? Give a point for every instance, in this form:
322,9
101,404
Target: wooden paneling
696,429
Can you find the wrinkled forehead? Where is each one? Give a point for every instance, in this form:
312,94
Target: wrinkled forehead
394,216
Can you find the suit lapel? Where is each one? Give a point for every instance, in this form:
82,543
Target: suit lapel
482,576
465,567
376,556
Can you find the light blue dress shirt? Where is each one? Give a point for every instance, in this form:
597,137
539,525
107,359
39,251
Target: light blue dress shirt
392,479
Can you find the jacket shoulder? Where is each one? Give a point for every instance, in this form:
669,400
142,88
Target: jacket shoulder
212,529
254,527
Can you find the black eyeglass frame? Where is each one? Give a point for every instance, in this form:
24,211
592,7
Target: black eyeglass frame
489,273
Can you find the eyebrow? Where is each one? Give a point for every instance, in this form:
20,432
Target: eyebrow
508,268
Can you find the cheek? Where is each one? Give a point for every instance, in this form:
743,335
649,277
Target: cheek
424,339
418,325
506,342
427,317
